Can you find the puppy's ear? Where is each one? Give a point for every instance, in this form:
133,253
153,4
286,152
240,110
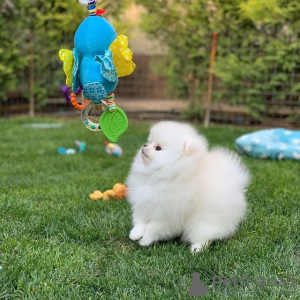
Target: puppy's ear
189,147
192,145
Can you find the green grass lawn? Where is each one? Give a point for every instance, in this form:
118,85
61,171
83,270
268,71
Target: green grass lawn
55,243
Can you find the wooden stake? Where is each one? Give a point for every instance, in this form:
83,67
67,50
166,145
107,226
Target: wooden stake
31,73
210,79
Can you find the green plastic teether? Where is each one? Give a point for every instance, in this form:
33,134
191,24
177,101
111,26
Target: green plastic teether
113,124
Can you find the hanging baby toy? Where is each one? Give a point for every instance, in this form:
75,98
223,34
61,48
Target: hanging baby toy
99,57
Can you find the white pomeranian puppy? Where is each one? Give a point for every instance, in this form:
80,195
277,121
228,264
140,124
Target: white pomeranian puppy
177,187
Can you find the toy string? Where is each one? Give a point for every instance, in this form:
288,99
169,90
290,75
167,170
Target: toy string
92,8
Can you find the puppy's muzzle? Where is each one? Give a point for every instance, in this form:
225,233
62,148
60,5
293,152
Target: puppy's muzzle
145,150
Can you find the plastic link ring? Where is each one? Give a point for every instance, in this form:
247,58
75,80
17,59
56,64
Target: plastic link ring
90,115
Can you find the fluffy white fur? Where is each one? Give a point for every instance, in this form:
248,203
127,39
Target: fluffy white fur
183,189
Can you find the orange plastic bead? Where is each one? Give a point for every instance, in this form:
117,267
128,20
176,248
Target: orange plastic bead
75,103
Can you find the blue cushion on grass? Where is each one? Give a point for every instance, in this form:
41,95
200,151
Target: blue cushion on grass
278,143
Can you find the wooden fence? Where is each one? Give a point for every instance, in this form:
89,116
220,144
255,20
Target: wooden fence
144,86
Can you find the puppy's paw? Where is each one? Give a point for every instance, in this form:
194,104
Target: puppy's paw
146,241
197,247
137,232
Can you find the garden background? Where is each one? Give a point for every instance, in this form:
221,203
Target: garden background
216,62
256,70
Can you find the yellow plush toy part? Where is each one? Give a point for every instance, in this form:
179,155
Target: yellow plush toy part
122,56
118,192
67,57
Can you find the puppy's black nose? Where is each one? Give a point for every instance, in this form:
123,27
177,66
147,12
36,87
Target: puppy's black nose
145,145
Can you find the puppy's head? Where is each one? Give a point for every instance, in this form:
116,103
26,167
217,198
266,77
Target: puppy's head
169,141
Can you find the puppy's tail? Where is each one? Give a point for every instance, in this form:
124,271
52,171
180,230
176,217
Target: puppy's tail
233,167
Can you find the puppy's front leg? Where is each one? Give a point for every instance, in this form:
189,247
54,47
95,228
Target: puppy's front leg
139,227
152,234
137,231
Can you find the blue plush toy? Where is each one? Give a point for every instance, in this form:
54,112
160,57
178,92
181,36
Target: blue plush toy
94,68
99,57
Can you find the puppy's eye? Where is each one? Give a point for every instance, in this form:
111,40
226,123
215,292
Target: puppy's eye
158,148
